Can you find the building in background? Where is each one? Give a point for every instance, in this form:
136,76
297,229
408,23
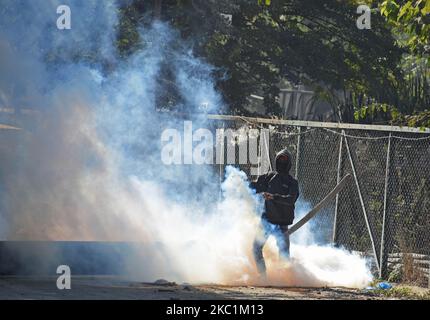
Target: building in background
298,103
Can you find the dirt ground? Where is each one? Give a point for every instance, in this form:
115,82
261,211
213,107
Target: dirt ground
99,288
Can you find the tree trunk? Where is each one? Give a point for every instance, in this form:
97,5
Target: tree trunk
157,9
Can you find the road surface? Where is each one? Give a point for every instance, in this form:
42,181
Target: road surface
108,287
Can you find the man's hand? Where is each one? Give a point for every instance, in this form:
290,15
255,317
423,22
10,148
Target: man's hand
267,196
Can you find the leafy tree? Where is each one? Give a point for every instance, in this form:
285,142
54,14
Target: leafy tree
411,19
409,23
301,41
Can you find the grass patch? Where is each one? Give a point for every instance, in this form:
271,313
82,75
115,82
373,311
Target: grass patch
402,293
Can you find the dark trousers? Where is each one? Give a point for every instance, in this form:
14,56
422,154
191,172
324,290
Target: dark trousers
282,240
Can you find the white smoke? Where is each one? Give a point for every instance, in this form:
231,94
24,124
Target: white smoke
315,264
87,166
214,244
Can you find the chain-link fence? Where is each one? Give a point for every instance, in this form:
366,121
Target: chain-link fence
385,209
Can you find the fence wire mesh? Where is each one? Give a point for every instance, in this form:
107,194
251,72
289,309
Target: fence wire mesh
385,209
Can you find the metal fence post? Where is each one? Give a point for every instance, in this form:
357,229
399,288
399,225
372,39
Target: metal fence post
221,159
336,208
383,255
298,152
363,207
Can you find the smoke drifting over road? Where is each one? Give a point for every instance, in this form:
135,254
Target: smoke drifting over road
87,164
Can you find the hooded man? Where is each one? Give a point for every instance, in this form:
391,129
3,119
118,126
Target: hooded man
280,191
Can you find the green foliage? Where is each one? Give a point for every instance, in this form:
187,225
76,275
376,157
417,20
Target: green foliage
417,119
411,20
128,36
374,113
383,113
304,41
400,292
266,2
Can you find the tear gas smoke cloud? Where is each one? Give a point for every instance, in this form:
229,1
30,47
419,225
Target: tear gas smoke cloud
88,166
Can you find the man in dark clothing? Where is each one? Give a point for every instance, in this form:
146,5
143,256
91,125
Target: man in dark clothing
280,191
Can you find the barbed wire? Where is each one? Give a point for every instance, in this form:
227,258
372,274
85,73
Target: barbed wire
255,124
375,138
294,134
274,131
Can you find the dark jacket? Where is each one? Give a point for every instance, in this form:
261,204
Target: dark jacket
285,190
